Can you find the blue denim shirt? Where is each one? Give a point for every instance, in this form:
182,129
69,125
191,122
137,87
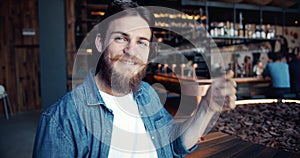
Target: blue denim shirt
80,125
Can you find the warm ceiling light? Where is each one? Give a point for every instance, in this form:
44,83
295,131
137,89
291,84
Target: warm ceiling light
160,39
89,51
97,13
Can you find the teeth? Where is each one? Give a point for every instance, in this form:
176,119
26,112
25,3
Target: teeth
128,62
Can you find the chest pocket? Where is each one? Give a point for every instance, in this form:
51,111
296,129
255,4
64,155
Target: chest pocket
163,121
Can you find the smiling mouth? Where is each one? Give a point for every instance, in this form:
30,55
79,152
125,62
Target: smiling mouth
128,62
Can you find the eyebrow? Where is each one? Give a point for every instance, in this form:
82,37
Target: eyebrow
127,35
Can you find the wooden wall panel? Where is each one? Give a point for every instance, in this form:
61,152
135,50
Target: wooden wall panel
19,55
71,44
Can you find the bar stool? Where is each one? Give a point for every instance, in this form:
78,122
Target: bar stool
4,96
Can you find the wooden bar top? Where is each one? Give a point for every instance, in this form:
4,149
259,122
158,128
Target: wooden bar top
174,78
246,87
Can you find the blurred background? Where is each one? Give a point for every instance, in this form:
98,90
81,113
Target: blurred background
41,41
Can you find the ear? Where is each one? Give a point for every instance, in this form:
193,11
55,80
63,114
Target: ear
98,43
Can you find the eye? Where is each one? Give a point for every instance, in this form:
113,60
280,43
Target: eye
143,43
120,39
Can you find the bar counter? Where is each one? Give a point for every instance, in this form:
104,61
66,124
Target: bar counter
170,77
248,87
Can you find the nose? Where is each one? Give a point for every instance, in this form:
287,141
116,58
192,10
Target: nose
129,48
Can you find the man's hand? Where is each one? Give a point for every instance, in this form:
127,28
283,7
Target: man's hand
221,92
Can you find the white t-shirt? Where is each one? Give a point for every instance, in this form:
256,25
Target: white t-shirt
129,136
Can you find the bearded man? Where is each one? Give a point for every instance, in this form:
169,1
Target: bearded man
113,113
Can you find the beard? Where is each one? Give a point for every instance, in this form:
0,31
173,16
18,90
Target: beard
120,83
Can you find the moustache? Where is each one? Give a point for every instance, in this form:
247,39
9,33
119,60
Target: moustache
132,59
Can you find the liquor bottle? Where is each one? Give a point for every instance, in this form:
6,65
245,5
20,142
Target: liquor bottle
212,29
246,30
231,30
241,27
221,31
251,30
271,32
226,28
257,31
236,30
262,31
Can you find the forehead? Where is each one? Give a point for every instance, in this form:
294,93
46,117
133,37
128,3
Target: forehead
130,24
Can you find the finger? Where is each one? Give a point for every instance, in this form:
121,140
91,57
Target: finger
232,91
224,83
232,104
229,74
226,91
232,82
232,98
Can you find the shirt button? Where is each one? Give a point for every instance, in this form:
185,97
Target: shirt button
152,137
141,112
108,131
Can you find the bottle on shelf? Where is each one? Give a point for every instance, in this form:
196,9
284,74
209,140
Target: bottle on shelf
236,30
227,28
246,30
257,31
249,31
212,29
253,28
231,30
270,32
221,30
241,27
262,31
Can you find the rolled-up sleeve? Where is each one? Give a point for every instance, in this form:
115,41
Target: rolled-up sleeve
180,150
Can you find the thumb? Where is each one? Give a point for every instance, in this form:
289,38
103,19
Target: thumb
226,76
229,75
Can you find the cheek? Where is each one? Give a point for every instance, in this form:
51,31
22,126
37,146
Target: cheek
145,57
143,54
114,50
